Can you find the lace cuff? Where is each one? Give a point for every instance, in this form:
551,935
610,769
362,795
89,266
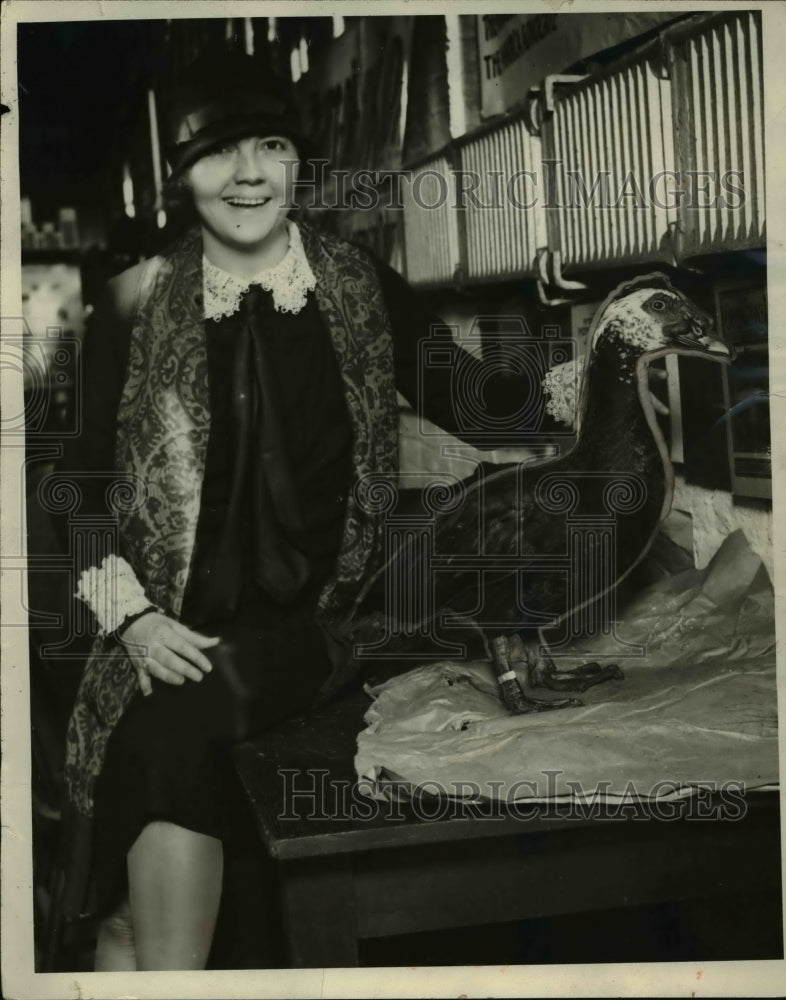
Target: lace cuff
112,592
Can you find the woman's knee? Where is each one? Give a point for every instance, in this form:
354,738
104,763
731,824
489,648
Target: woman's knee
118,927
166,843
116,942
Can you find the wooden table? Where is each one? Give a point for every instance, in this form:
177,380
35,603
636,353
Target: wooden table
372,870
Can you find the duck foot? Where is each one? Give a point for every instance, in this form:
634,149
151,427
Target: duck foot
516,701
543,673
580,678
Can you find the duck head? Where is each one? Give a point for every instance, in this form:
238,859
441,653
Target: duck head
648,318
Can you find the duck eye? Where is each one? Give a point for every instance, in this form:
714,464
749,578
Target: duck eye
658,304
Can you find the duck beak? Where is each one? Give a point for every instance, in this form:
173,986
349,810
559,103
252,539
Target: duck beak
701,341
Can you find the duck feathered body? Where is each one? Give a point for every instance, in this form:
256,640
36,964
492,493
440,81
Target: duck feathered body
566,530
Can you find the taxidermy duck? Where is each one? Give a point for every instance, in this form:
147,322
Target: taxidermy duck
617,469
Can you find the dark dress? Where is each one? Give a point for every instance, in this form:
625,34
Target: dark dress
168,758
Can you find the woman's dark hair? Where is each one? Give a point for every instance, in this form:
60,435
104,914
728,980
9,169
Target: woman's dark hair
178,202
223,96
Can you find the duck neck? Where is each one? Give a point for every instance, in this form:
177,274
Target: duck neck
614,431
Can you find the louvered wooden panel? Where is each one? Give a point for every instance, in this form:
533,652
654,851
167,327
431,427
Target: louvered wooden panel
619,124
431,233
719,86
502,236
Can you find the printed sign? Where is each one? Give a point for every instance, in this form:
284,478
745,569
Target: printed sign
518,50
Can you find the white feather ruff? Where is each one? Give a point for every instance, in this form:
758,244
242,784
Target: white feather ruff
561,388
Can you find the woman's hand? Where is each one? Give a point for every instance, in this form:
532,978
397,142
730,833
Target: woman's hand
166,649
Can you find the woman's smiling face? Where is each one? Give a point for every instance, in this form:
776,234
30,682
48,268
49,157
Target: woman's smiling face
243,189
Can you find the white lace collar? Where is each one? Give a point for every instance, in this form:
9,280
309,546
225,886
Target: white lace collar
290,281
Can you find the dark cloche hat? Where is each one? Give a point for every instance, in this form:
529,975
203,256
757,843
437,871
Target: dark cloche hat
223,96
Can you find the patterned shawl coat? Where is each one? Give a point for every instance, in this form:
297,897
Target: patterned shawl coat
162,433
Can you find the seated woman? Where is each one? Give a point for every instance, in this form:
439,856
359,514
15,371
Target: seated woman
239,384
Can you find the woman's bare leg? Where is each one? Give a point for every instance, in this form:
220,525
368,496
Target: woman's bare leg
174,879
115,950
